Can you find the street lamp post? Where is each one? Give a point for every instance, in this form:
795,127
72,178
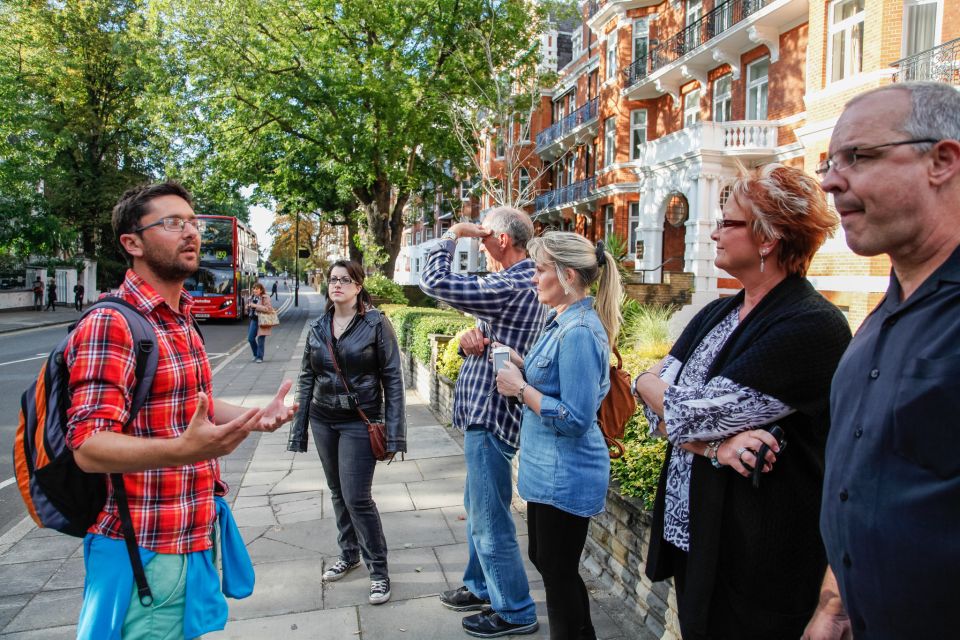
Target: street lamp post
296,263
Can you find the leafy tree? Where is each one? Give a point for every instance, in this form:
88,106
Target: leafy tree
355,90
80,129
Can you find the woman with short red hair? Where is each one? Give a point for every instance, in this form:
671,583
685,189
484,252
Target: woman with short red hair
744,548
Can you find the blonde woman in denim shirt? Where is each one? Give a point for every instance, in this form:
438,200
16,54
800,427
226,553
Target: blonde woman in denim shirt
564,464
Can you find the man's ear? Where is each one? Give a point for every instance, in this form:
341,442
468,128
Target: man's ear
946,162
132,243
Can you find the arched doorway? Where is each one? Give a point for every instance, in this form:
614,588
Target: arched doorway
674,232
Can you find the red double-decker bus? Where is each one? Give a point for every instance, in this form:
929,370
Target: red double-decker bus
228,268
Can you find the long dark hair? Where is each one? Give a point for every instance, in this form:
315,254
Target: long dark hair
355,271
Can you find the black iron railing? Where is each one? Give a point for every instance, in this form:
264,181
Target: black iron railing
584,114
563,195
592,7
940,64
713,23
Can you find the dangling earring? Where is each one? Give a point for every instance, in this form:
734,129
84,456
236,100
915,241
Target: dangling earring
763,255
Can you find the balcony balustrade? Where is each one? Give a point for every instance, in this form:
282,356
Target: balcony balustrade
558,130
745,138
939,64
715,22
564,195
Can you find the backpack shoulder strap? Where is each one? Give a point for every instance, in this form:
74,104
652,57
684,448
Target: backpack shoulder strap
145,348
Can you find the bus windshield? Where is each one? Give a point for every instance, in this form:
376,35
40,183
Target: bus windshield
210,281
217,244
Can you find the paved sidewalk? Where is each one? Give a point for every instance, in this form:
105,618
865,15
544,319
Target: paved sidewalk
284,511
18,319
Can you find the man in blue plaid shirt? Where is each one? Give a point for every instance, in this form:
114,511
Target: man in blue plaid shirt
507,311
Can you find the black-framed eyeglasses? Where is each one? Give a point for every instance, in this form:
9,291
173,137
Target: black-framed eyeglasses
728,224
345,280
175,224
845,158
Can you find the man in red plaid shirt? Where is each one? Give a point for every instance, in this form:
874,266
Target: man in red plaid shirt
169,454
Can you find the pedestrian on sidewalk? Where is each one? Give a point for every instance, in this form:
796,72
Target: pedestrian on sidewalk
38,294
168,453
507,311
351,363
891,493
256,332
51,295
78,296
565,466
744,549
273,291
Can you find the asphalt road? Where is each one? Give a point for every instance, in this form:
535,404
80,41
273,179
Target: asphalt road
22,354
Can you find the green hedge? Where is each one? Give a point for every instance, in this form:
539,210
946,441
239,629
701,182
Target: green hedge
414,324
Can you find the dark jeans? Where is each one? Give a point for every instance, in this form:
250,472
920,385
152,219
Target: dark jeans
256,342
556,542
38,301
348,465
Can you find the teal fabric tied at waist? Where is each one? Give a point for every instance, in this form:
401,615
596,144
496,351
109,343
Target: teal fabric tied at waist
109,582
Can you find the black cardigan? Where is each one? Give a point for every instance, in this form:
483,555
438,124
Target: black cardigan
760,550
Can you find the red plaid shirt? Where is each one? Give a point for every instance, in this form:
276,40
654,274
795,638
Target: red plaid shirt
172,508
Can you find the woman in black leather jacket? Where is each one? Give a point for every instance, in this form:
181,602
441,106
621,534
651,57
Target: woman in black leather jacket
367,353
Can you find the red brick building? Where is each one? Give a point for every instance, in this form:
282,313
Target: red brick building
658,101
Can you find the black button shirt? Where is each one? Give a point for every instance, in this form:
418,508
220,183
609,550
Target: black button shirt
891,498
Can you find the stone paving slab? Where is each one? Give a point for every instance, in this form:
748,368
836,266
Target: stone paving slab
329,624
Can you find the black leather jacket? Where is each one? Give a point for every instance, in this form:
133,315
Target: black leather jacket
369,358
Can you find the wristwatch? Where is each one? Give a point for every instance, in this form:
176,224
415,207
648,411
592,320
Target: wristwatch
449,235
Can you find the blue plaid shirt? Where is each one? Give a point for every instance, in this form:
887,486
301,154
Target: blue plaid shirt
507,311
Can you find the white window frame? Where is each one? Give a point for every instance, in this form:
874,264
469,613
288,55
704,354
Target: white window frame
937,27
723,101
633,221
609,141
523,181
638,123
576,43
641,31
761,84
845,27
608,221
691,107
611,70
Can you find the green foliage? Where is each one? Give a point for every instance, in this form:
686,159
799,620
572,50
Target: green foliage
382,287
414,324
448,360
645,329
638,471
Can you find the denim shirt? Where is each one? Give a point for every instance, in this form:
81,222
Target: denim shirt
563,458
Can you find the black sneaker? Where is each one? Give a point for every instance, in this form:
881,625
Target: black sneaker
462,599
487,624
339,569
379,591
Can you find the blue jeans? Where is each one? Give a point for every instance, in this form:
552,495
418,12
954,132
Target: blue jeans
494,564
256,342
348,466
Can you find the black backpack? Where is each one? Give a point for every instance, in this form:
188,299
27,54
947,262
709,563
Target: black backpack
59,494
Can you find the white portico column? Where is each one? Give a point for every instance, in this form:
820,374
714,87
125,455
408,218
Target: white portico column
700,246
650,232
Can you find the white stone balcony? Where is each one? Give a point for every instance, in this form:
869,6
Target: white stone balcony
744,138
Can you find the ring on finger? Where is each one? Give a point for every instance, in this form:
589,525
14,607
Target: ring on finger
740,452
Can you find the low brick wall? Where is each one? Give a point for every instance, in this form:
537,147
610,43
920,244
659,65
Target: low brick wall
618,538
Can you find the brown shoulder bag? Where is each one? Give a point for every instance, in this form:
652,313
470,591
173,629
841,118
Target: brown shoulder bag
617,407
376,430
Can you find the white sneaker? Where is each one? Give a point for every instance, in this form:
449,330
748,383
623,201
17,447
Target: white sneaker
379,591
339,569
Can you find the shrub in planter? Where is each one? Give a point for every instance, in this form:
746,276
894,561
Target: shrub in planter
449,360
